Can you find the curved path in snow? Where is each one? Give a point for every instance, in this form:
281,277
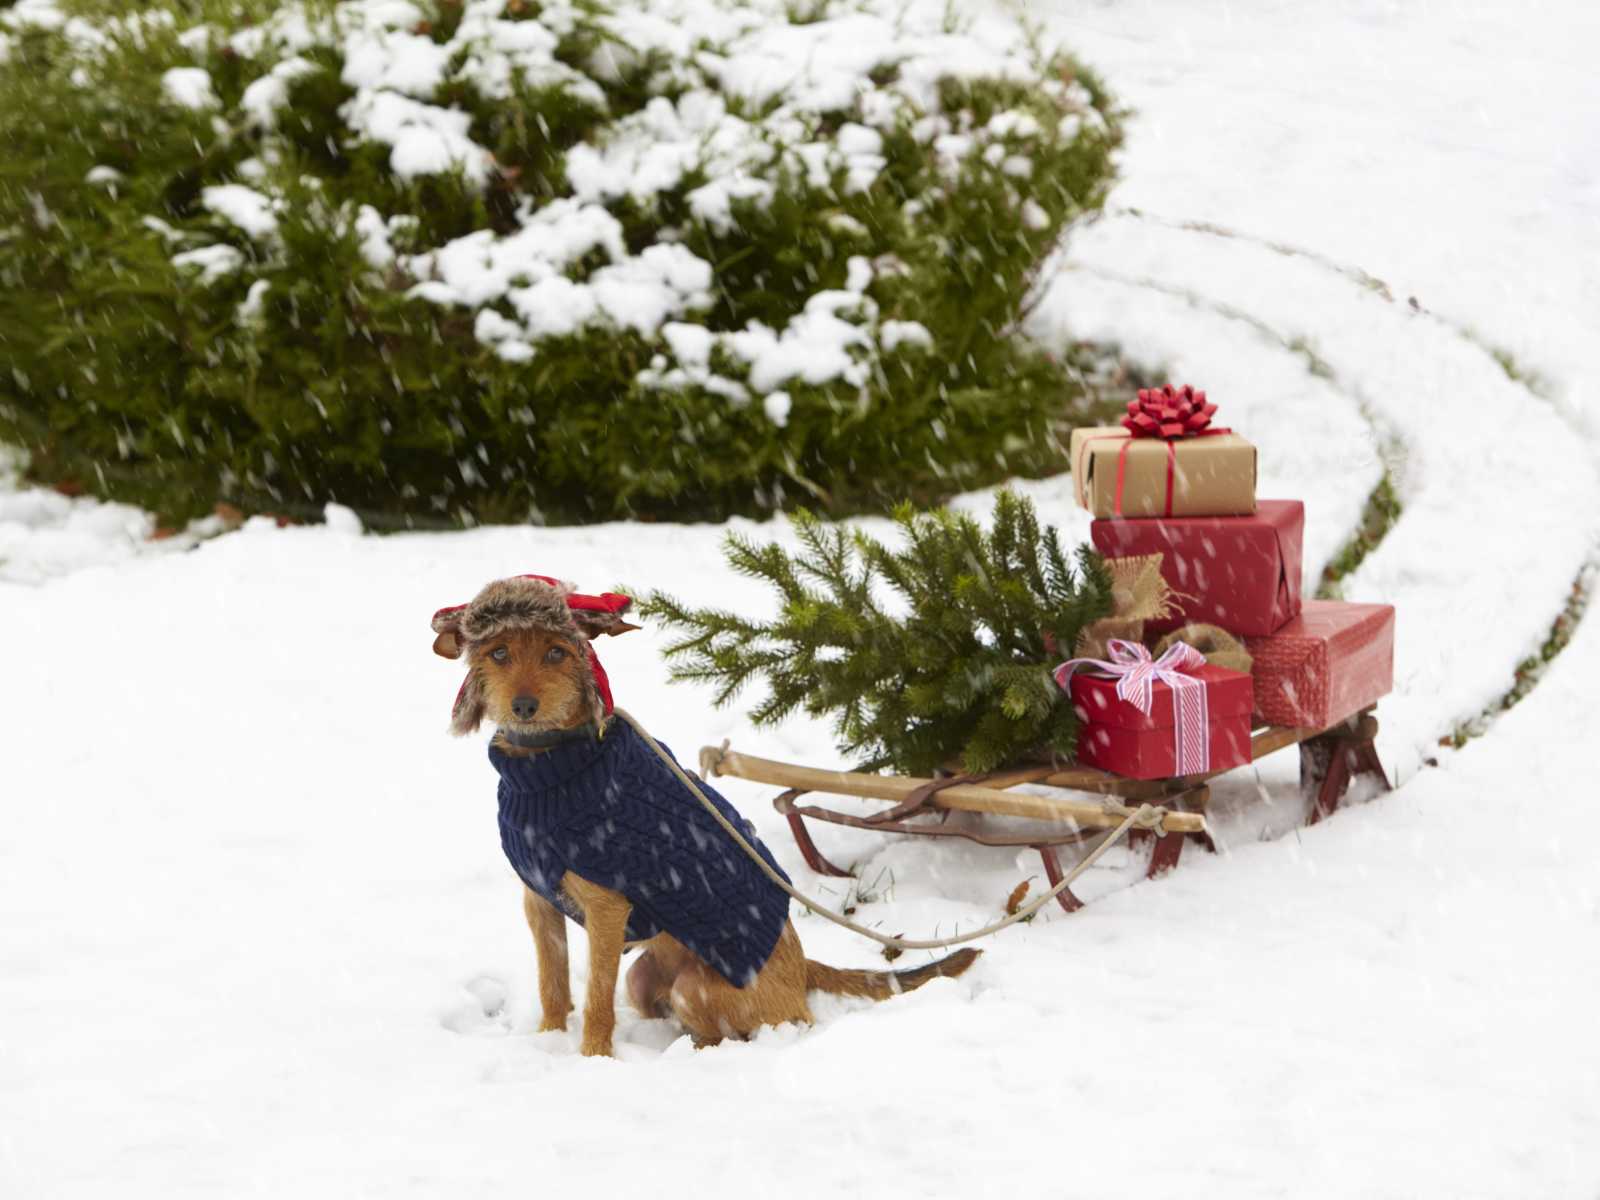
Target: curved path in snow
1350,148
1499,489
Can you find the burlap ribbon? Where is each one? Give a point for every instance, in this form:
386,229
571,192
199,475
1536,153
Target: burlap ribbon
1219,646
1138,594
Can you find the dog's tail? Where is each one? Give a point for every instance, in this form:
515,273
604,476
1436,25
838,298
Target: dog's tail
880,985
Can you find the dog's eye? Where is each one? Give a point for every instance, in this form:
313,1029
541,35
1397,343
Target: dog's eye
500,654
555,654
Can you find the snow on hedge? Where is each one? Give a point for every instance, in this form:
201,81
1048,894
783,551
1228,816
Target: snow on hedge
514,259
746,92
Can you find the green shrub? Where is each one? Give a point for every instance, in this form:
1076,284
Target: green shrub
243,253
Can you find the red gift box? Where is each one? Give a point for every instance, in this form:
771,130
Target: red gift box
1242,573
1327,664
1117,737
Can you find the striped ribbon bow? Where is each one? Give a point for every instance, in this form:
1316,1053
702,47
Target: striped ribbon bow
1137,674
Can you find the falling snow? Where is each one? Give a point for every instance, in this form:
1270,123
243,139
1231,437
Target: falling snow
259,940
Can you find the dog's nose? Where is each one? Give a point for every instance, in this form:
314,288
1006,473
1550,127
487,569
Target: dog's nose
525,706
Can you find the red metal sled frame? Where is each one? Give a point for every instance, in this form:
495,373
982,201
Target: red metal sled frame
1330,759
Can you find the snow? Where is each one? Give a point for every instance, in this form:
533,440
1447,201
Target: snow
425,139
263,940
254,303
341,520
265,97
33,14
189,87
401,62
196,39
212,262
894,334
777,406
377,235
243,207
650,151
821,344
757,96
554,307
480,267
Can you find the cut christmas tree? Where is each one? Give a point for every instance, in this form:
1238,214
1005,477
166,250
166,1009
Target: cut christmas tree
925,654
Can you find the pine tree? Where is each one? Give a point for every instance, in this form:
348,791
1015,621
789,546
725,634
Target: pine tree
936,650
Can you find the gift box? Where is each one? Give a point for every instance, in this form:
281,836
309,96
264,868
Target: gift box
1328,663
1116,474
1176,736
1165,460
1242,573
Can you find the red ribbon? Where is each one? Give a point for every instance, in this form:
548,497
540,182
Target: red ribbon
1169,413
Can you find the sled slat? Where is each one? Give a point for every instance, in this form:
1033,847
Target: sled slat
965,797
1276,737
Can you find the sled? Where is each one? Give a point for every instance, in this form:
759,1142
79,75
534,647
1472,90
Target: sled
1330,759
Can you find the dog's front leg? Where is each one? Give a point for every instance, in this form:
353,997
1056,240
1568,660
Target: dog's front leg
548,924
605,918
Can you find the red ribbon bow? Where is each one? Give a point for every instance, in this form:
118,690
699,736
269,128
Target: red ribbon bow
1168,412
1137,674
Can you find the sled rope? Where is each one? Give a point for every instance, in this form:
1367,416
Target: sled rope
1146,816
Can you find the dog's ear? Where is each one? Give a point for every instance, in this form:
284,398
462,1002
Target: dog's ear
447,644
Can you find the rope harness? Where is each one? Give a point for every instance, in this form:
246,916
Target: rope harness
1146,816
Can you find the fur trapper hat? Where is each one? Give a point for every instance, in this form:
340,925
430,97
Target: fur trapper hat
528,602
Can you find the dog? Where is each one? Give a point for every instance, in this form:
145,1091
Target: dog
599,830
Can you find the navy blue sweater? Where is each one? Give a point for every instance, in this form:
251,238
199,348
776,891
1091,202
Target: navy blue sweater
613,813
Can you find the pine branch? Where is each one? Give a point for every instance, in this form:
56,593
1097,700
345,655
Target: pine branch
962,674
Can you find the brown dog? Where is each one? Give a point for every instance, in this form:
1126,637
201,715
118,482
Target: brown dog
531,672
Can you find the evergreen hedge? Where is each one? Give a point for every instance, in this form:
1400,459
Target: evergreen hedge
242,253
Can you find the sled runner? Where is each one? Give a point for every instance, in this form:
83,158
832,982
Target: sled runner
1330,759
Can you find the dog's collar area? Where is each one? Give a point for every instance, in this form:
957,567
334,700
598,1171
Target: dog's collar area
551,764
544,739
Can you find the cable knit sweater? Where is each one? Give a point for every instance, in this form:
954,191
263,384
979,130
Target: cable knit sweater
613,813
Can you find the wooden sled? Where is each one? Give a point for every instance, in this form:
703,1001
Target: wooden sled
1329,760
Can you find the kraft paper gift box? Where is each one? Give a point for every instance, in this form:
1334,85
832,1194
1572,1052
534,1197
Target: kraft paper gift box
1117,737
1118,475
1242,573
1329,663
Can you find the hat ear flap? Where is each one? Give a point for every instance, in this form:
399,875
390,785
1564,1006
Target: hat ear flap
470,706
599,689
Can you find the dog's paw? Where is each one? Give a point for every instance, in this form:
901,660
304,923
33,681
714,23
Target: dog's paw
596,1048
553,1025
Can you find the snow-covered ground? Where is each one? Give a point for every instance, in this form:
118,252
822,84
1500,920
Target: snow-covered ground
257,935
